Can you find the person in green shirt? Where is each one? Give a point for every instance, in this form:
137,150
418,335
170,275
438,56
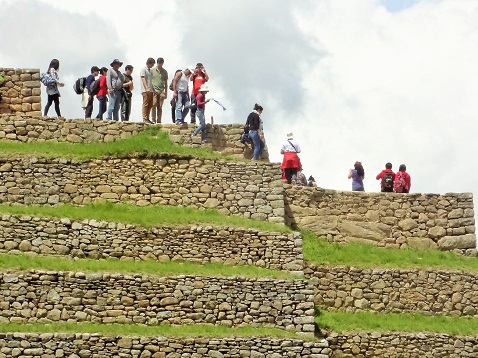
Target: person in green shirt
160,87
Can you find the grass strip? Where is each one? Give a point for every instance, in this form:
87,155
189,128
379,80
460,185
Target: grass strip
170,268
356,254
148,216
402,322
151,141
199,330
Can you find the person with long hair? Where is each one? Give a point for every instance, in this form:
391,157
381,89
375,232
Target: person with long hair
357,175
255,124
52,90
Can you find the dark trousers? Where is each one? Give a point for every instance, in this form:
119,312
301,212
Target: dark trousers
126,107
193,108
89,107
102,106
289,173
53,98
173,110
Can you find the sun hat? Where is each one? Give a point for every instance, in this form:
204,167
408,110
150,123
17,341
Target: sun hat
290,135
204,88
115,61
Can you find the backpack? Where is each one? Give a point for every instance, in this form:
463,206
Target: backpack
387,181
46,79
95,87
400,183
79,85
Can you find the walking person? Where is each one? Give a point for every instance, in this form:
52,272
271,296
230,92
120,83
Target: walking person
159,81
201,104
127,93
357,175
254,124
114,81
52,89
102,93
291,163
180,93
95,70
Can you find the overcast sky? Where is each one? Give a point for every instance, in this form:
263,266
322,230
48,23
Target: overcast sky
367,80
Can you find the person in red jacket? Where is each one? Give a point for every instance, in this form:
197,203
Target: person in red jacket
386,177
101,96
403,182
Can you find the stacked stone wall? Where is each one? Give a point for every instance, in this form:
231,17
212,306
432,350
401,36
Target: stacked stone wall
235,188
429,291
46,296
194,243
399,344
444,222
21,91
96,345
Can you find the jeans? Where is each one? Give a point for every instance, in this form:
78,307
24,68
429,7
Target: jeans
126,107
182,106
257,143
193,108
202,124
102,106
114,104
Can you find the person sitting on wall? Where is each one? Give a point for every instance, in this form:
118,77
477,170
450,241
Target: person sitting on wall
311,181
402,181
291,162
387,177
357,175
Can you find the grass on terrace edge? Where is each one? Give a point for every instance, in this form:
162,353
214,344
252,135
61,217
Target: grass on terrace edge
147,216
199,330
149,142
401,322
318,250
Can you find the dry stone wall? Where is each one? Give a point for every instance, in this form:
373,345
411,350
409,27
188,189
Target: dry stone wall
404,345
428,291
444,222
235,188
194,243
46,296
21,91
96,345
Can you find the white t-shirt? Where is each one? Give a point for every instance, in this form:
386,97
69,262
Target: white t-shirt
289,146
146,73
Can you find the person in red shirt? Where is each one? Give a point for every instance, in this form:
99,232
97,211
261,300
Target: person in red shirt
103,91
386,177
199,77
402,186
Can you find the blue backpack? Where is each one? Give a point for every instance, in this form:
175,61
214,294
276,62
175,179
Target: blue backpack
46,79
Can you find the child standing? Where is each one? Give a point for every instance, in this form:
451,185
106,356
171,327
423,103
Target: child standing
201,104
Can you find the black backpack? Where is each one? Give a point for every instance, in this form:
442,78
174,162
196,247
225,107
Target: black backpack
95,87
387,181
79,85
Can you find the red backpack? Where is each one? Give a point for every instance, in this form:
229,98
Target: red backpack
399,183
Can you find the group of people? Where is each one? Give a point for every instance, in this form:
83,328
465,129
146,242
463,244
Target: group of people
399,182
114,89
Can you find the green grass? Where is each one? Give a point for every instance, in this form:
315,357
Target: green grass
148,216
198,330
320,251
171,268
403,322
150,142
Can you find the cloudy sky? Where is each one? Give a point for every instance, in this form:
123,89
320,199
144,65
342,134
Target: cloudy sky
367,80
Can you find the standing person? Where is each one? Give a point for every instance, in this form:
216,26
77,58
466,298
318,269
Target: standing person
357,175
114,81
386,177
52,90
147,90
291,162
95,70
199,77
127,93
173,99
180,93
159,81
403,182
201,104
254,124
102,92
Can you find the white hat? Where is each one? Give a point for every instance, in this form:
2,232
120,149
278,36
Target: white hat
290,135
191,68
204,88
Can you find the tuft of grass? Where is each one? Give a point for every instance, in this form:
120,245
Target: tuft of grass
318,250
197,330
401,322
150,142
170,268
148,216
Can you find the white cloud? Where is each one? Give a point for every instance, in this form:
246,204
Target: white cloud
363,80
